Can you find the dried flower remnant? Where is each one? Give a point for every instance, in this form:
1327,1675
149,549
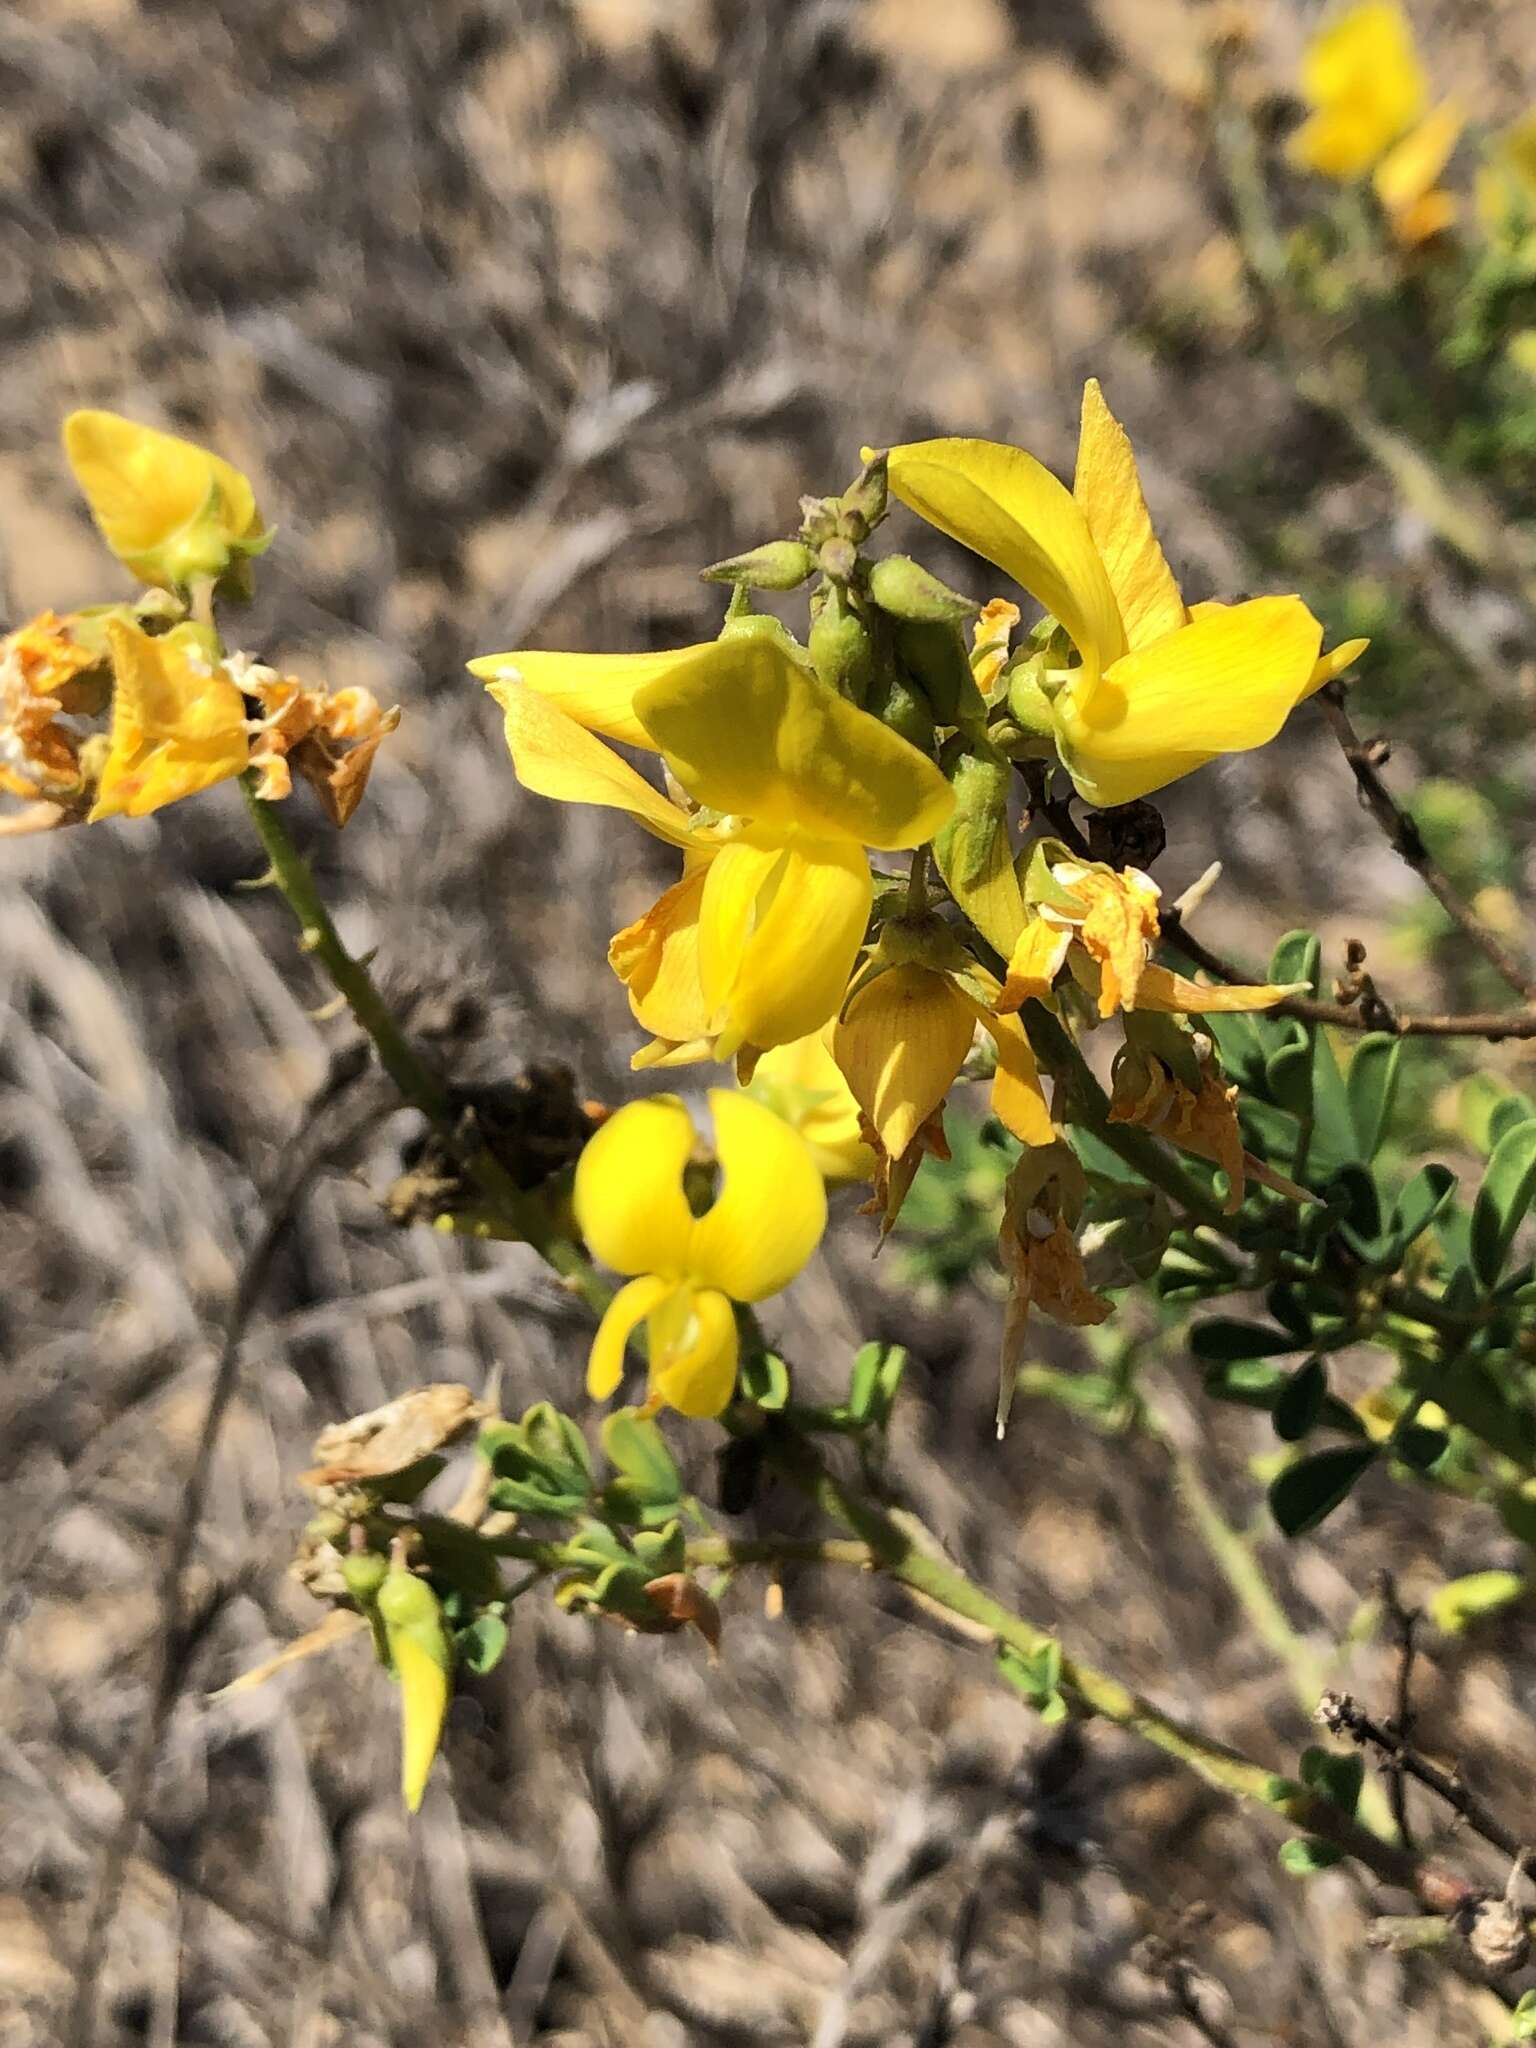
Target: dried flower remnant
1037,1242
43,667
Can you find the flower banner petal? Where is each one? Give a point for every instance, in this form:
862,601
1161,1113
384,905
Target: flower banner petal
901,1044
556,757
628,1196
1108,487
1004,505
752,733
772,1207
1225,682
1018,1100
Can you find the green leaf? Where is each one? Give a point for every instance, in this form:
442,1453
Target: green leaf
1338,1775
1226,1337
1305,1494
481,1646
876,1375
1037,1675
637,1450
1420,1446
1417,1207
765,1379
1522,2021
1300,1401
1514,1109
1297,957
661,1550
1288,1074
1303,1855
1247,1382
1372,1085
460,1557
1508,1189
1462,1601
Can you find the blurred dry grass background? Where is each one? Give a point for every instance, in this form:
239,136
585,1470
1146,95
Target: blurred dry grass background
520,310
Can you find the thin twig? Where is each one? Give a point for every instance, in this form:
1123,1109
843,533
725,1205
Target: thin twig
1406,840
1405,1621
1343,1715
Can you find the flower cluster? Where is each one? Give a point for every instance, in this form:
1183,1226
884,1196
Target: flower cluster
179,714
852,998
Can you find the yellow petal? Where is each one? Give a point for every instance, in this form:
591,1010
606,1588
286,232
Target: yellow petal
554,756
1161,989
694,1348
1108,488
1004,505
178,722
657,959
739,877
629,1196
1334,662
771,1209
1407,172
1035,963
1225,682
795,964
802,1083
632,1303
1363,75
1018,1100
597,690
423,1706
901,1043
752,733
166,508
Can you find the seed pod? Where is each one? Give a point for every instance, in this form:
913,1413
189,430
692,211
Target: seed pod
777,565
422,1655
841,647
908,591
933,653
973,851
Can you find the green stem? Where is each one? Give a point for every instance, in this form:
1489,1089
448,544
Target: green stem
419,1083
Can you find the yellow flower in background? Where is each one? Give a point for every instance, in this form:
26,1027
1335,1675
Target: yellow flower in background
1161,689
169,510
1103,925
685,1271
178,722
1362,77
754,946
1506,183
803,1083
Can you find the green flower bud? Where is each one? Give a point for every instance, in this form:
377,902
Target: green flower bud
933,653
841,647
777,565
907,590
974,851
863,503
365,1572
1028,703
838,558
898,703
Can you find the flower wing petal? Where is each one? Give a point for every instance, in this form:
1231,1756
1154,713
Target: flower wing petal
793,969
772,1207
628,1197
694,1351
657,959
1108,487
556,757
632,1303
1004,505
750,732
597,690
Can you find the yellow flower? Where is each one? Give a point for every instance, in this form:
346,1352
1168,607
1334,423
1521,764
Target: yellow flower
1104,925
41,664
754,946
1362,77
1038,1246
1160,689
169,510
686,1270
901,1043
989,642
1506,183
803,1083
178,722
421,1653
